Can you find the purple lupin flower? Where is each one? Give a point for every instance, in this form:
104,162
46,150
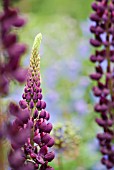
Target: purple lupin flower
30,132
103,41
10,49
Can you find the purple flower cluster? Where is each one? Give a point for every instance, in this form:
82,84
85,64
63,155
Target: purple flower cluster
103,29
30,132
10,50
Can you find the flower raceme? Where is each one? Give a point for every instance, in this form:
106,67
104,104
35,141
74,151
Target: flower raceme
103,41
30,133
10,49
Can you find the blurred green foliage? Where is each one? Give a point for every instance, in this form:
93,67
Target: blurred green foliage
78,9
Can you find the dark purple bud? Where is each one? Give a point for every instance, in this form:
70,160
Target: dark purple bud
105,17
40,160
49,156
97,91
23,96
29,84
26,89
9,40
43,126
104,107
95,42
37,139
18,22
46,138
18,122
24,115
14,109
95,17
40,90
38,84
109,122
103,160
28,97
100,122
93,29
101,8
31,104
99,69
100,108
112,58
100,136
100,58
109,164
43,167
36,166
43,150
33,155
16,49
20,74
22,136
51,142
16,158
93,58
35,97
108,136
95,76
106,92
99,30
94,6
47,116
43,104
35,114
23,104
42,114
30,124
97,107
39,96
32,90
36,89
104,151
48,128
38,105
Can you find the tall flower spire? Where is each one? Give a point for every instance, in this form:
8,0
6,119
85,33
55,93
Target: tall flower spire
30,132
10,49
103,41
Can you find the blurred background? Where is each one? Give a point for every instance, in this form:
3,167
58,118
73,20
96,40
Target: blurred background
65,67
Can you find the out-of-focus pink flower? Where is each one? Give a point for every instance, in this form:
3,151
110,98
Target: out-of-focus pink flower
11,50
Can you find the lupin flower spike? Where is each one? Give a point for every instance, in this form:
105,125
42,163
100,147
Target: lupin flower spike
103,29
10,49
30,132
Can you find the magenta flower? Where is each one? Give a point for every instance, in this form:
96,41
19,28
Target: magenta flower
30,132
11,50
103,41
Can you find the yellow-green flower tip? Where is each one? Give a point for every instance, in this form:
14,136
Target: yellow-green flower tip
35,57
37,41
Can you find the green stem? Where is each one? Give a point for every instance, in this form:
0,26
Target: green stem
60,162
1,141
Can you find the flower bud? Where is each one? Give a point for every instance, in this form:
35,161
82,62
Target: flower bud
48,128
49,156
23,104
37,139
